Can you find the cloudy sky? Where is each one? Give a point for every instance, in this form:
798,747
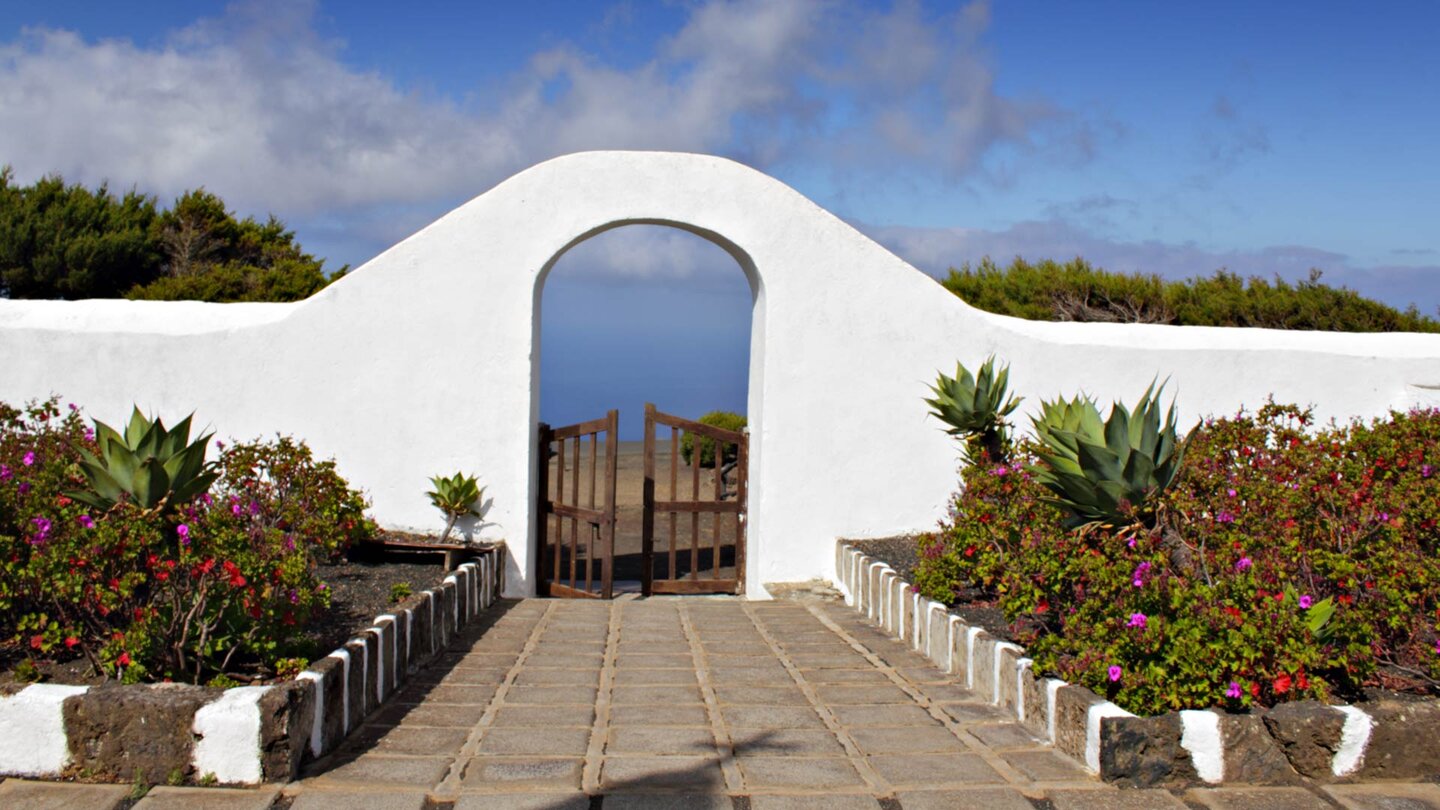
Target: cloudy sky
1172,138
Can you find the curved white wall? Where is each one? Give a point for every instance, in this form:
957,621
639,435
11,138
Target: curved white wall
425,359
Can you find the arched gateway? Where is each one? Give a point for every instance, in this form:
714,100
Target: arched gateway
425,359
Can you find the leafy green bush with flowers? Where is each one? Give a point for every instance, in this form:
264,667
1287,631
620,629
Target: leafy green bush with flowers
1286,560
200,589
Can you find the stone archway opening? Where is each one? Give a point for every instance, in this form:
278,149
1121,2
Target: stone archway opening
636,317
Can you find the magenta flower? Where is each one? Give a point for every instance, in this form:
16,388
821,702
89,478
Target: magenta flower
74,407
1243,564
24,488
235,509
1306,601
1115,672
1138,577
89,434
1230,492
1426,471
1137,620
183,530
5,474
86,521
29,459
1234,690
1224,517
219,445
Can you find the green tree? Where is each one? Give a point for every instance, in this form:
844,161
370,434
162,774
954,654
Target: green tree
1076,291
212,256
59,241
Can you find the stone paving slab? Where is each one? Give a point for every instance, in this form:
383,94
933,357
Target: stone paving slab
60,796
174,798
354,799
1386,796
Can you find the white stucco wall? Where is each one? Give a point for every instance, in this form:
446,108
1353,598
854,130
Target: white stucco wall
426,358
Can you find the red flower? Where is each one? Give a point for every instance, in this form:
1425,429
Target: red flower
63,501
1282,684
71,641
124,659
970,551
1302,681
1042,607
36,642
1345,599
1254,689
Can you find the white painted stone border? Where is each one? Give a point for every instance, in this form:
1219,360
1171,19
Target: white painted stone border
228,730
970,653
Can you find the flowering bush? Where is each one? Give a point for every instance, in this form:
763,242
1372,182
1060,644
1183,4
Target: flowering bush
1285,562
216,583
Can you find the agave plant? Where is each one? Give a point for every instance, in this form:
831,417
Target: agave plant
1108,472
456,496
150,466
975,407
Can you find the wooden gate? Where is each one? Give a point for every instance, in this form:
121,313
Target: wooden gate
717,566
580,564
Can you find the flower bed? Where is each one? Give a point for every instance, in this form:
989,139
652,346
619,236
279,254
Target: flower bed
1303,740
242,735
211,587
1284,563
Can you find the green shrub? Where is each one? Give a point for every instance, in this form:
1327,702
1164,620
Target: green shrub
147,465
223,581
457,496
975,408
1076,291
1285,562
1107,472
400,591
725,420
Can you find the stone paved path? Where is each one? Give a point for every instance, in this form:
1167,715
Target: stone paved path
696,703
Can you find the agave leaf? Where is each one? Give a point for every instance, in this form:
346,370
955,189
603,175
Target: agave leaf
188,490
100,480
137,428
176,438
1099,463
104,433
122,464
90,499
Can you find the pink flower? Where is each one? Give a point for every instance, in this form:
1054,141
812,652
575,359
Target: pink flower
1137,620
1234,691
1230,492
1115,672
1306,601
29,459
1243,564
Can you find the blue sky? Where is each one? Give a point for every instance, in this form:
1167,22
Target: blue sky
1173,138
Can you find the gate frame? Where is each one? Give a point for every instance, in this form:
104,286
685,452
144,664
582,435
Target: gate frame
604,519
739,507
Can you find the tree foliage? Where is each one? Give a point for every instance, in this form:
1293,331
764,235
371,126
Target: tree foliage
1076,291
59,241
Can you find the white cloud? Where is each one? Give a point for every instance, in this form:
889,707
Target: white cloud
256,107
